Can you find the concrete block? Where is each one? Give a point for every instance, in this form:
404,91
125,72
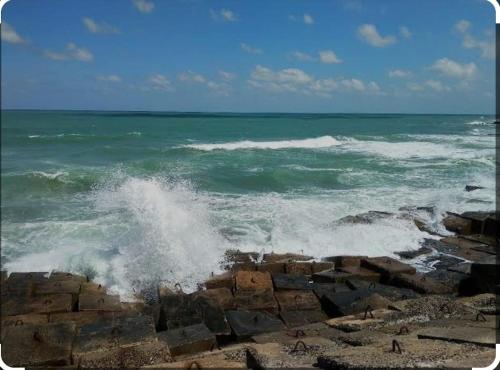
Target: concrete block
297,300
296,318
291,282
358,272
92,302
387,266
188,340
299,268
253,280
225,280
272,267
262,300
331,276
246,324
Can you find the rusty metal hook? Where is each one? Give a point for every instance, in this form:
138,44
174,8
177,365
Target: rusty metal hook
395,344
296,348
403,329
19,321
368,309
480,315
192,364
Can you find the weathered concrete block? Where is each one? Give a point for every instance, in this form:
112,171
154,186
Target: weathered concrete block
322,288
478,336
66,276
38,345
421,283
225,280
22,284
253,280
294,319
331,276
297,300
59,287
246,266
317,329
237,256
189,339
390,292
348,303
127,357
285,257
272,267
246,324
454,281
487,274
322,266
345,261
92,302
221,296
299,268
110,335
83,318
410,254
182,310
262,300
387,266
92,288
363,321
362,273
291,282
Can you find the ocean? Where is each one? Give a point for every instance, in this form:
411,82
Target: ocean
131,198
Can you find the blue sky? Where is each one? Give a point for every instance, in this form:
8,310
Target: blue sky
426,56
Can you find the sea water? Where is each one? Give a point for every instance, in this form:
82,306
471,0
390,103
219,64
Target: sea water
135,198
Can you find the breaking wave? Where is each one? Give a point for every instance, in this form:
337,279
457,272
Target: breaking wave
319,142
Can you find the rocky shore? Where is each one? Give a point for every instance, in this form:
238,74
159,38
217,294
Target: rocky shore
275,310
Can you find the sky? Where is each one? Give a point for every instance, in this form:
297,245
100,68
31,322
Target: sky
325,56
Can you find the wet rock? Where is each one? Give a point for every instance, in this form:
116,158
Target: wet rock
410,254
442,261
246,324
291,282
246,266
221,296
38,345
92,288
456,282
22,284
67,276
387,291
460,247
364,218
486,273
236,256
253,280
321,289
188,340
322,266
469,188
457,224
462,267
262,300
49,304
298,300
83,318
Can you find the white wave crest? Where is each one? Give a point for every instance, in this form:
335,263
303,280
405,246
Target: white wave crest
319,142
51,176
479,123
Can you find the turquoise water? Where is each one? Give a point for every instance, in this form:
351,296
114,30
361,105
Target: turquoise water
133,197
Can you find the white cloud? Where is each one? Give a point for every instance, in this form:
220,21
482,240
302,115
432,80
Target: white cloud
250,49
160,82
110,78
224,15
328,57
369,33
144,6
462,26
437,86
72,52
399,73
297,81
9,34
413,86
228,76
455,69
303,57
308,19
96,27
191,76
487,48
405,32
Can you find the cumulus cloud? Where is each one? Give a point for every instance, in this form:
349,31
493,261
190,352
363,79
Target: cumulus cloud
99,27
405,32
297,81
160,82
429,85
308,19
250,49
72,52
399,73
9,34
224,15
191,76
437,86
329,57
110,78
486,47
303,57
455,69
144,6
227,76
370,34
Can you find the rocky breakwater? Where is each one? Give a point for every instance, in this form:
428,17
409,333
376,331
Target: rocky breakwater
275,310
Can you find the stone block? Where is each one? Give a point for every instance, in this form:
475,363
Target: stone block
291,282
322,266
105,303
478,336
322,288
362,273
272,267
221,296
421,283
390,292
294,319
253,280
387,266
246,324
345,261
457,224
224,280
67,276
285,257
188,340
331,276
299,268
297,300
262,300
348,303
246,266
